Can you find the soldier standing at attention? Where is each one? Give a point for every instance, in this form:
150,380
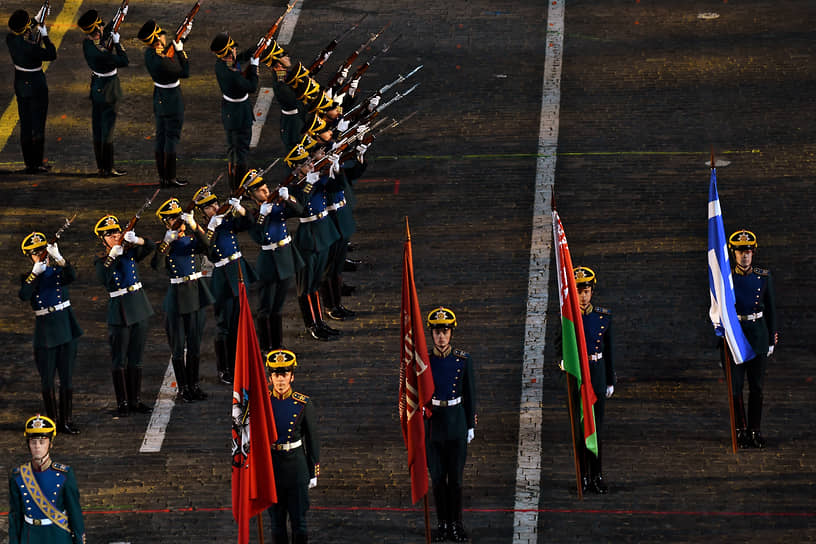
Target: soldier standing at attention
451,425
29,45
236,110
756,309
56,330
187,295
168,105
293,115
296,454
43,495
128,309
225,254
106,90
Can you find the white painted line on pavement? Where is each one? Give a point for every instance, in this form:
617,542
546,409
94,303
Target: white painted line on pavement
528,469
287,29
154,435
262,104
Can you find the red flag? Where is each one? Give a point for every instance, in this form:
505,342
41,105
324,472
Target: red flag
416,381
253,479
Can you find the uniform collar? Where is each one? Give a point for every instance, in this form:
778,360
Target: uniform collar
284,396
588,310
739,271
445,353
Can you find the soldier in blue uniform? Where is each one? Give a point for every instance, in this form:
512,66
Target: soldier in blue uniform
187,296
29,45
237,76
450,426
225,254
129,309
168,106
296,453
56,330
278,260
106,90
293,115
597,323
756,310
43,495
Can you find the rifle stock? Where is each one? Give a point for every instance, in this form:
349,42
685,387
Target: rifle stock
131,225
116,22
41,16
171,51
266,40
324,55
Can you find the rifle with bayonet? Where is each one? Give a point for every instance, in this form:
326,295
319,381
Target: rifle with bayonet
240,191
42,14
116,22
131,225
57,235
177,222
358,74
370,136
359,109
342,72
366,116
182,28
324,55
266,40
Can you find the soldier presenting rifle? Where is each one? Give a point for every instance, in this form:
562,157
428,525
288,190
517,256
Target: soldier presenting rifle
29,45
106,90
293,113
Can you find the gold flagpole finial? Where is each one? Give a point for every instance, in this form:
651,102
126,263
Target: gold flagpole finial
407,230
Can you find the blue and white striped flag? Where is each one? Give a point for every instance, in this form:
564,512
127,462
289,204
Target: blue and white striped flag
723,311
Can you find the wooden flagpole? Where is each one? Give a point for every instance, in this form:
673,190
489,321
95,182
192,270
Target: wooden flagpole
575,442
260,528
427,520
732,415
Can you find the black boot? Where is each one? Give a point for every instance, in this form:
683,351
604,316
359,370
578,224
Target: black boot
301,538
134,383
280,538
192,379
233,184
170,171
107,156
317,310
240,172
37,154
337,290
309,320
50,402
755,419
456,532
100,168
598,484
327,292
159,155
220,345
743,436
121,391
275,331
180,371
440,493
66,401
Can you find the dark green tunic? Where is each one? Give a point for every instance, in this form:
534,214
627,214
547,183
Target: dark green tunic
293,114
168,105
106,90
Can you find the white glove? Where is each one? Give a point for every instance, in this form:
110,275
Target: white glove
266,207
362,128
344,73
115,37
215,221
189,219
39,268
471,435
374,102
170,236
178,45
561,366
283,193
54,252
43,31
334,160
353,87
236,205
131,238
312,177
124,11
361,149
342,125
116,251
254,61
313,482
186,31
770,350
610,390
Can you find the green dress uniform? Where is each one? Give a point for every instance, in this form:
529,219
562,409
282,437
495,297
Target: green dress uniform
44,506
106,91
295,460
293,114
129,311
31,90
56,334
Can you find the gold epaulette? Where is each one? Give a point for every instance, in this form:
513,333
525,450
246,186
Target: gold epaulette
281,75
460,353
761,271
60,467
31,277
15,471
300,397
163,247
602,310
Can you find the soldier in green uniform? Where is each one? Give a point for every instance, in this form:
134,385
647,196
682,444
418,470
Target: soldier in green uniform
128,309
450,426
278,260
293,115
168,106
56,330
187,295
756,309
296,453
29,45
225,254
237,76
43,495
106,90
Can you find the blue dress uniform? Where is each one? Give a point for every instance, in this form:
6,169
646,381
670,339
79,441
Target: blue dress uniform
30,87
129,311
56,334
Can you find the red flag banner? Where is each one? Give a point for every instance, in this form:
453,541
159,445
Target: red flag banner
253,428
574,350
416,382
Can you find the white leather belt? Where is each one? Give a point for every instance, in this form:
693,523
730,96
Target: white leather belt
596,357
225,261
39,69
336,206
277,245
443,403
191,277
168,85
107,74
229,99
287,446
51,309
750,317
32,521
289,112
311,218
129,289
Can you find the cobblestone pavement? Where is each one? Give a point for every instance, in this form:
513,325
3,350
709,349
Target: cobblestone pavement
647,88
